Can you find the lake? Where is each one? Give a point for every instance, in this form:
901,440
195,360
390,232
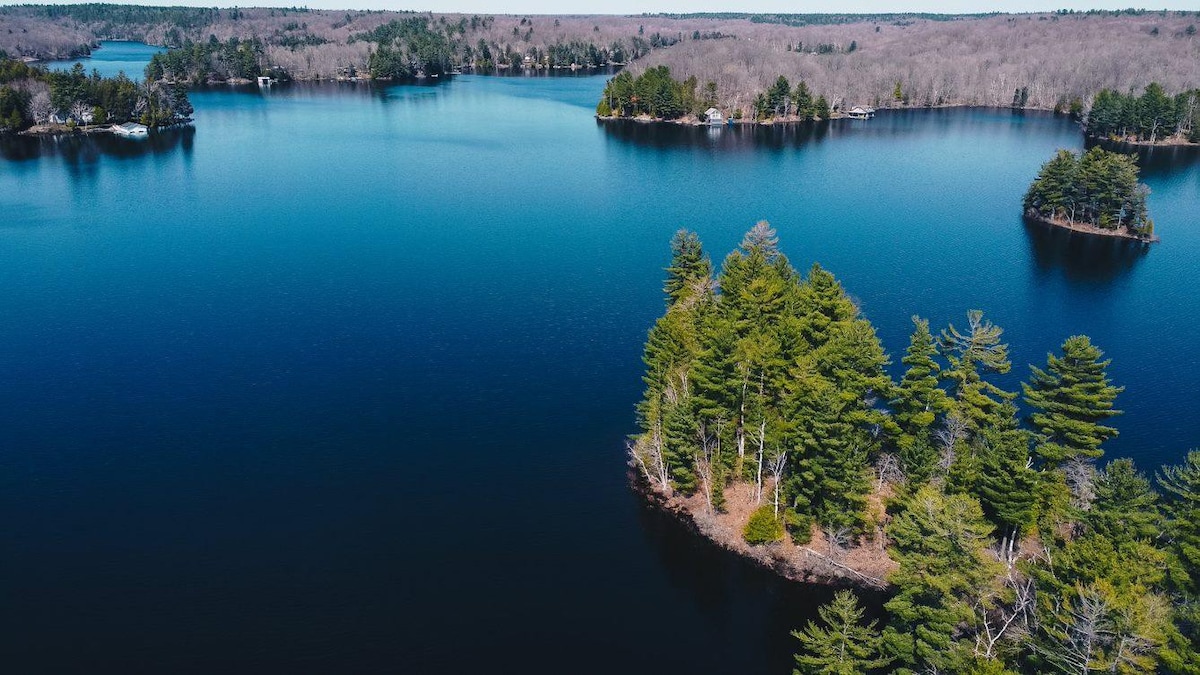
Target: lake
338,378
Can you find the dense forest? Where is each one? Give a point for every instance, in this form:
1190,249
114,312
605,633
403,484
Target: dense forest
1098,189
1014,549
1153,117
655,94
31,95
1042,61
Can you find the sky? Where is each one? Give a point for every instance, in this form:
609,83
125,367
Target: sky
639,6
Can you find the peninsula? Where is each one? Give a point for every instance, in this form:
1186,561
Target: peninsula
770,422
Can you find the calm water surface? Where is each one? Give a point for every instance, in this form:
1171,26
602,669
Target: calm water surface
113,57
338,379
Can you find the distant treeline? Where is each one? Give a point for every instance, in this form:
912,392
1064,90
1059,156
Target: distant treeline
1100,189
822,19
1154,116
31,95
197,62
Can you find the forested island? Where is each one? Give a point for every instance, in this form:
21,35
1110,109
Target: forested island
1097,193
771,424
36,100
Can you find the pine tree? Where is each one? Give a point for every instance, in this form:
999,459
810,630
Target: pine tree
977,349
1007,484
1071,399
1181,485
690,269
840,644
1126,506
938,542
919,399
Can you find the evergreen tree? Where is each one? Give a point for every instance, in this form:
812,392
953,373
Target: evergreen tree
939,541
690,269
1071,398
1007,483
918,402
1181,485
1126,506
977,349
840,644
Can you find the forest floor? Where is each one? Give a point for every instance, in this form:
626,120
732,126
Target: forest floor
865,563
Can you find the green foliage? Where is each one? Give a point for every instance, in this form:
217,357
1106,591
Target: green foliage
407,48
841,644
763,363
763,527
799,526
1100,188
1150,117
1181,485
197,62
939,541
13,106
1071,398
654,93
973,353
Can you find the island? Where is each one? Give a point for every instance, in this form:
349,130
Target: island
36,101
1097,193
771,426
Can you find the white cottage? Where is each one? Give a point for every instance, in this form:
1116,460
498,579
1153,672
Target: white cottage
714,117
859,112
130,129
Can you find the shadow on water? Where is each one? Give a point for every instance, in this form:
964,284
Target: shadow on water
1082,257
740,596
737,137
83,150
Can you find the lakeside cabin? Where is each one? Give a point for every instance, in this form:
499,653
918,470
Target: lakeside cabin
714,117
130,129
859,112
265,80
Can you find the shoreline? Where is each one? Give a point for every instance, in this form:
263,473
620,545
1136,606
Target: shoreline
1086,228
864,566
1176,141
55,130
691,121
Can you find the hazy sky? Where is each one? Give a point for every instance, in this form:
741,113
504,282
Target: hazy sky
639,6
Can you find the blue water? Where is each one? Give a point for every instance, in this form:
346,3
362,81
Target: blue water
113,56
337,380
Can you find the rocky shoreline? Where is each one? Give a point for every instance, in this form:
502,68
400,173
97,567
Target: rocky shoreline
864,566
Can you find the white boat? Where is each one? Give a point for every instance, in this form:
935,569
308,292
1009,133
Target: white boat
130,129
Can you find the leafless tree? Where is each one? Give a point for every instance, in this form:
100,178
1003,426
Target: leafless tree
40,107
953,431
838,540
778,465
1081,479
1003,615
704,464
888,470
647,452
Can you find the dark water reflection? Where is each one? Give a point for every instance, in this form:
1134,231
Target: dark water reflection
1082,257
83,149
